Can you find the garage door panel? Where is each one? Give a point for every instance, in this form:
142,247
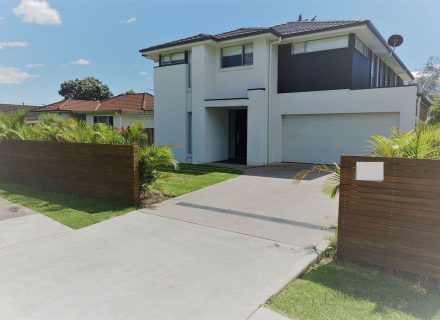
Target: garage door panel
322,138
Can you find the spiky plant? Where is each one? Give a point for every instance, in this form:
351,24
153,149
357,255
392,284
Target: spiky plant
331,184
134,134
421,143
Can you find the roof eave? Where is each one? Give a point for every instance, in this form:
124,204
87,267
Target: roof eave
151,51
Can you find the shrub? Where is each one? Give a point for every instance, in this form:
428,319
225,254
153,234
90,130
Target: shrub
421,143
53,128
151,159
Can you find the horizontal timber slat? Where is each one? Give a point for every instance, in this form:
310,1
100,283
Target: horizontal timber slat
109,172
394,223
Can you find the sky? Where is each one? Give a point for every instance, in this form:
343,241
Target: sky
43,43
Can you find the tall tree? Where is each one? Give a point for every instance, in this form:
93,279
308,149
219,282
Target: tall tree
131,91
434,110
88,88
428,77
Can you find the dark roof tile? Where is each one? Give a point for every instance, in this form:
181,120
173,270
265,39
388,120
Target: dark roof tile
283,30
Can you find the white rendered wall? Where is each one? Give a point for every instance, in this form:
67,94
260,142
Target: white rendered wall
257,127
170,110
235,81
125,120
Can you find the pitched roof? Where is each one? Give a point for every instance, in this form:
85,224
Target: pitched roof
30,116
284,30
9,107
126,103
129,103
71,105
281,30
292,28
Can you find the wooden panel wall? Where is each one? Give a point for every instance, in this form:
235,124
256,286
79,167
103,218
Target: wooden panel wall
109,172
395,223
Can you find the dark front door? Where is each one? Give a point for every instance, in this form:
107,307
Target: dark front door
241,134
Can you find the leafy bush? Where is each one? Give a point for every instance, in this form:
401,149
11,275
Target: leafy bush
133,134
53,128
151,159
421,143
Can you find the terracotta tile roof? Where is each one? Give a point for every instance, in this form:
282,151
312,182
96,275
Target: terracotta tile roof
129,103
71,105
281,30
126,103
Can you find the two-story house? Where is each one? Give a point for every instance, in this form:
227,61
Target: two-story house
296,92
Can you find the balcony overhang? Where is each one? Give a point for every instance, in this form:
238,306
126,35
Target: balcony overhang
227,102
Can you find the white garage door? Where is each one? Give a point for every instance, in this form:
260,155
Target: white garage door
322,138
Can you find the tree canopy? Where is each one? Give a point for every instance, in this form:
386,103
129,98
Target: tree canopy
428,77
88,88
131,91
434,110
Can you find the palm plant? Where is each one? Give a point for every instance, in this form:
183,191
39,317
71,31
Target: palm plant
151,159
331,184
421,143
134,134
11,123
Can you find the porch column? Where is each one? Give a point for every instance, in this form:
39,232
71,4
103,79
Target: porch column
257,127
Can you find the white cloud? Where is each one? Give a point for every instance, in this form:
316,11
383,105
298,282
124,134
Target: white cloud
11,75
128,20
2,18
11,44
37,11
35,65
143,73
416,74
80,62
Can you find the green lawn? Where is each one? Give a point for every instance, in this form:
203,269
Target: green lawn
73,211
78,211
346,291
191,177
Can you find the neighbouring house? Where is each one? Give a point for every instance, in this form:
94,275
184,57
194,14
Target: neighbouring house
295,92
30,118
119,111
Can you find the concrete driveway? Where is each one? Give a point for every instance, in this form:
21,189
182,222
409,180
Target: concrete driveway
217,253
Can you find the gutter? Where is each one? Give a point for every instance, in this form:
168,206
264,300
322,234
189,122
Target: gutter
269,80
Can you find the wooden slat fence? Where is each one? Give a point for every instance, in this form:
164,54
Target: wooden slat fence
395,223
109,172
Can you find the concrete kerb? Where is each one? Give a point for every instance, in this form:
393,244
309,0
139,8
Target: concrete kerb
298,270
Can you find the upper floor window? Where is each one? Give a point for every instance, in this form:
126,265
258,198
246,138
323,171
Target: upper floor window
320,45
361,47
242,55
174,58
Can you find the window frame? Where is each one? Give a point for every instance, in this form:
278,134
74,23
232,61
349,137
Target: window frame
243,55
365,50
170,62
107,123
304,45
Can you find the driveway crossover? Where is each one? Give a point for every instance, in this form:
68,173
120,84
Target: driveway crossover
217,253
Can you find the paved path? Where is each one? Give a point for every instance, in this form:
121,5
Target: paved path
20,225
220,259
